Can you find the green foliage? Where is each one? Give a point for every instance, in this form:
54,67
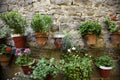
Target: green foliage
3,32
23,58
67,42
5,50
90,28
111,25
43,68
76,68
104,60
41,23
15,21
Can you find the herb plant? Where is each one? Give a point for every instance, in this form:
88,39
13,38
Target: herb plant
104,60
90,28
3,31
43,68
15,22
111,25
41,23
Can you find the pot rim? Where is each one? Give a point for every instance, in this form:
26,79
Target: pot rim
105,68
59,35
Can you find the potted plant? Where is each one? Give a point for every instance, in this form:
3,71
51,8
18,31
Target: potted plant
17,25
114,31
75,68
3,34
45,69
40,25
90,31
24,60
105,65
5,54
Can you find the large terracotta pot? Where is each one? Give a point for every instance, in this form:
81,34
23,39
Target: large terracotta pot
105,71
91,39
115,38
20,41
2,40
41,38
4,60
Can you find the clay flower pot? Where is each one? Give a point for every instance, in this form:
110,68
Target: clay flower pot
105,71
41,38
91,39
58,40
4,60
115,38
20,41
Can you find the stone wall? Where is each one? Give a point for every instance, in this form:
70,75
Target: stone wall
68,14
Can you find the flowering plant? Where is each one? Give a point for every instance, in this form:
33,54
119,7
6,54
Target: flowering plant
4,49
23,57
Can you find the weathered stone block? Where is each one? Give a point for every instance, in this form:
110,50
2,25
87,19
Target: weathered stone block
3,8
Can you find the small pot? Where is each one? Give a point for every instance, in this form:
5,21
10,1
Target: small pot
58,40
105,71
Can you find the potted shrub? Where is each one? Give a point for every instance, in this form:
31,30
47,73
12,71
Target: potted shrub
75,68
24,60
17,25
45,69
3,34
5,55
105,65
114,31
40,25
90,31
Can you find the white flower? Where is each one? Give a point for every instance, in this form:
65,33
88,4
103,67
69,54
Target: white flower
69,50
73,48
86,54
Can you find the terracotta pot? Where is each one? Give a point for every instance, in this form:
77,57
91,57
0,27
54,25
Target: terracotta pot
4,60
2,40
49,77
58,40
26,70
20,41
115,38
91,39
105,72
41,39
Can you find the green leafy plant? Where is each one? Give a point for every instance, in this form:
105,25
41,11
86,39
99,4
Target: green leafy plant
67,42
90,28
5,50
15,22
41,23
75,68
111,25
104,60
3,32
43,68
23,58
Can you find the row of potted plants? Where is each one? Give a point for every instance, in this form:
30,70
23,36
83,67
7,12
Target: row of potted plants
41,26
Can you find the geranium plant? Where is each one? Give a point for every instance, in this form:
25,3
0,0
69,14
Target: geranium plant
5,50
23,58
